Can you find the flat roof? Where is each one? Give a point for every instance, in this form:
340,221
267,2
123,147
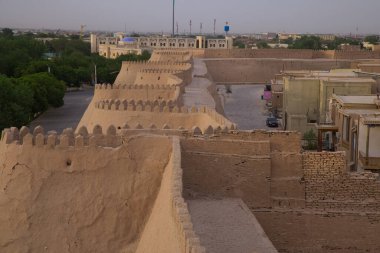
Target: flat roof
362,112
348,80
368,100
369,64
371,119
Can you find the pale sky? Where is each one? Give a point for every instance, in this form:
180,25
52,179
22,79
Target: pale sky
244,16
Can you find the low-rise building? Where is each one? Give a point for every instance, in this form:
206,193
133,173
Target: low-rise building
305,98
112,47
357,122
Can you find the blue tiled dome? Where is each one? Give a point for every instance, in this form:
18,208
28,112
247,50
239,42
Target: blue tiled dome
128,39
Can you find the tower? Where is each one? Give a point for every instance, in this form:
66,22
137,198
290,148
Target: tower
94,43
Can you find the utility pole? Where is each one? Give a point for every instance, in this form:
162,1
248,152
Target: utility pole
173,17
214,26
190,26
201,26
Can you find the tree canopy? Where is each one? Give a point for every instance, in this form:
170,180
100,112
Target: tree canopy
30,82
307,42
373,39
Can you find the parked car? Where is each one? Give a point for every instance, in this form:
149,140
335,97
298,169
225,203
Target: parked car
272,122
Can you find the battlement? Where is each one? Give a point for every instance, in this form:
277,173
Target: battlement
132,105
172,52
159,71
156,63
160,107
66,139
109,86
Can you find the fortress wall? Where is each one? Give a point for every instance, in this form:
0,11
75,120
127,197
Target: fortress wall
169,228
171,56
75,196
290,54
215,167
157,78
321,232
356,55
260,53
330,186
225,173
263,70
287,188
139,117
287,183
129,70
280,141
147,92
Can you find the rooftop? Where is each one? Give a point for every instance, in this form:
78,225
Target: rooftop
362,112
367,100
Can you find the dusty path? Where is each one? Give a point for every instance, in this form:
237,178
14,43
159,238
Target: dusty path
228,226
196,93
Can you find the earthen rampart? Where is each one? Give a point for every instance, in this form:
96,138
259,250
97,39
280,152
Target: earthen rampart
66,139
291,54
171,56
80,192
129,72
146,92
158,117
264,70
170,211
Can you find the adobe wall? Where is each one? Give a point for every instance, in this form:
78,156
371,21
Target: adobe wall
129,70
264,169
171,56
141,116
263,70
147,92
290,54
321,232
75,193
157,77
261,53
329,186
169,228
219,173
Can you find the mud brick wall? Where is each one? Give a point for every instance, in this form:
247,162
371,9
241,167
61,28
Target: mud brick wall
330,186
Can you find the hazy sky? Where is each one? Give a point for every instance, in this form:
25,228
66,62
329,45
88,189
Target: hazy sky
245,16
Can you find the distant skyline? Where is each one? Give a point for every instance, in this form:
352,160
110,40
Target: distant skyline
244,16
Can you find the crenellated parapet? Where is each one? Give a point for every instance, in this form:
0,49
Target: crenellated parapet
167,129
139,105
159,71
108,86
68,138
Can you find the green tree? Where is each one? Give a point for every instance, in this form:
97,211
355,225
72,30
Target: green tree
262,44
7,32
48,91
310,139
16,101
373,39
239,44
307,42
